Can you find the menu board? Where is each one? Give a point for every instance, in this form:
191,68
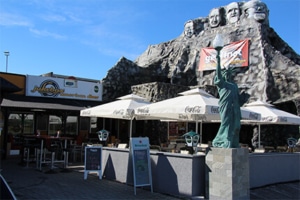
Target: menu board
140,153
92,161
141,167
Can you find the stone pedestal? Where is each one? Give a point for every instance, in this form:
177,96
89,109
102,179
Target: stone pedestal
227,173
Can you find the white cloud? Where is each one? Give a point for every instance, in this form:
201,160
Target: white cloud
7,19
45,33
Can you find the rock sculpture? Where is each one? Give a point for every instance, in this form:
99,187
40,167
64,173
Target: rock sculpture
189,28
272,73
233,12
257,10
215,17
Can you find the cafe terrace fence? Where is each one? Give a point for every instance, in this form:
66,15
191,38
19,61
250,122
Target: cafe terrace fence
184,175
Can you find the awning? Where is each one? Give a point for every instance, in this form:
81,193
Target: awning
24,102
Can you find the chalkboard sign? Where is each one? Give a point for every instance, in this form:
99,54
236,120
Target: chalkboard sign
140,153
92,160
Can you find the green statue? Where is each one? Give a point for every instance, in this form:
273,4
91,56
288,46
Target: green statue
229,108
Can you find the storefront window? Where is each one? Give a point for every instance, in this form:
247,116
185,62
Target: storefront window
20,123
55,124
14,124
71,126
42,123
28,124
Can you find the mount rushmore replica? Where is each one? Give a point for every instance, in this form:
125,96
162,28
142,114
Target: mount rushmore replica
267,68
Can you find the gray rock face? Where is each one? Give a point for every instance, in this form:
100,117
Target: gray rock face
165,69
272,73
125,74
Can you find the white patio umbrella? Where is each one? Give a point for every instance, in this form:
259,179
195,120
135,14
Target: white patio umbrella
123,108
271,115
192,105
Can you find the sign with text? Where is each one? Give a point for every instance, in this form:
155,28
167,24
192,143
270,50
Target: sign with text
92,161
233,55
140,154
51,87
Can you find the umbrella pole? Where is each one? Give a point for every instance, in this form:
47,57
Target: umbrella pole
201,132
168,129
118,129
130,131
196,148
259,136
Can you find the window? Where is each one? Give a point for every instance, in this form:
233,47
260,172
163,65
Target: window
20,123
55,124
71,126
42,122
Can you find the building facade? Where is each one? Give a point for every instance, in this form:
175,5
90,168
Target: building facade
44,104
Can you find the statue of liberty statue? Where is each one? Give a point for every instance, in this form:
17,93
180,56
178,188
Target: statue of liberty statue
229,107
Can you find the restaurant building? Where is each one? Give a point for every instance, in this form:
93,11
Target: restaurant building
45,103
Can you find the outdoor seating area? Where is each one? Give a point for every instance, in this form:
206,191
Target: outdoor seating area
51,155
172,110
47,152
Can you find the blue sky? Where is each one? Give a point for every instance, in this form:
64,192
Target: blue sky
85,38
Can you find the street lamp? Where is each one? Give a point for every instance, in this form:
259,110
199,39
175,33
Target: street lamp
6,53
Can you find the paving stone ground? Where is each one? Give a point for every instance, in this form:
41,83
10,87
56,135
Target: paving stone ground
30,183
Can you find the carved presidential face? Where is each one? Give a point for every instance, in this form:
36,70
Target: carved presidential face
257,10
189,28
214,17
233,12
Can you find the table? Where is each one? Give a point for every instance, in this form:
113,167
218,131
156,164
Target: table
45,141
